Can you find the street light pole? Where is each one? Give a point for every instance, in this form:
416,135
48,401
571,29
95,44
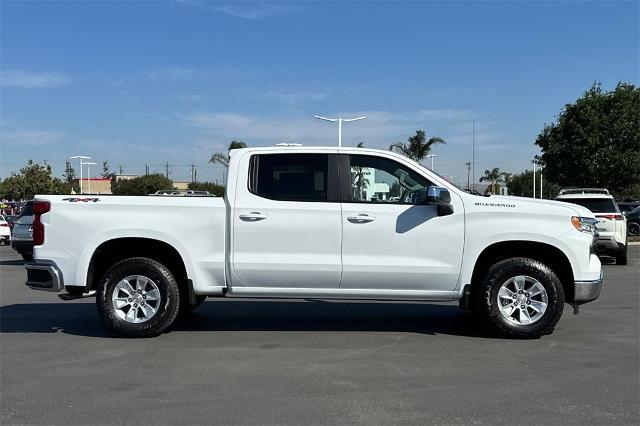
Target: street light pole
81,157
432,157
89,174
340,120
534,178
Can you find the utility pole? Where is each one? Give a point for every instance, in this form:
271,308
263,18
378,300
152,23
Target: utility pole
146,169
468,164
120,168
166,169
340,120
541,184
193,173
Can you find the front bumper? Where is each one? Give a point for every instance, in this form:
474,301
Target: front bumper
44,275
587,291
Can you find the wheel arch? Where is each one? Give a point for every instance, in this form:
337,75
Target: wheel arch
114,250
548,254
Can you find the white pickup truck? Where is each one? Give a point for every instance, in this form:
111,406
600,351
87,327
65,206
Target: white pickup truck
314,222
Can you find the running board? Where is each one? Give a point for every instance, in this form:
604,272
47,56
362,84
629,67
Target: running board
341,293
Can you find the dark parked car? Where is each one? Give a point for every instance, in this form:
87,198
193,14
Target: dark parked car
633,222
627,207
22,233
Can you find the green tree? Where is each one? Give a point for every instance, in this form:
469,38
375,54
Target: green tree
212,187
521,185
223,158
495,179
142,185
106,173
34,178
417,147
595,141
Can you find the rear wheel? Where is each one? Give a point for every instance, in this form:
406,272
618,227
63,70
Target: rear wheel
520,298
28,257
138,297
633,229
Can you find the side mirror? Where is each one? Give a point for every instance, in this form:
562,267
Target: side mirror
441,198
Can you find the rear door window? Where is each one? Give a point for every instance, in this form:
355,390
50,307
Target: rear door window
290,177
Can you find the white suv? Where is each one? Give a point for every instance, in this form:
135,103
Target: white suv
612,225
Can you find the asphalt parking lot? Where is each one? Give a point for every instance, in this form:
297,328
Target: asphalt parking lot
317,362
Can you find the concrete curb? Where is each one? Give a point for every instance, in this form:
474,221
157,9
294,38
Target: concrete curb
634,243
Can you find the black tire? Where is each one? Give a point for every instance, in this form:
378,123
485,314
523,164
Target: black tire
633,229
485,295
186,307
7,242
167,307
621,258
27,257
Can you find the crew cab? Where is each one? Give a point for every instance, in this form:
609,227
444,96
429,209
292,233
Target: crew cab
314,222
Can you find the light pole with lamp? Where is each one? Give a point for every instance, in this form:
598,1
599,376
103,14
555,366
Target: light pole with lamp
340,120
89,174
81,157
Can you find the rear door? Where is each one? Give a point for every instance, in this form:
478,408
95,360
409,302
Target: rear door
286,222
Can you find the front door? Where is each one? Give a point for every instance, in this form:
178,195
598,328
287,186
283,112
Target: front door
286,222
389,240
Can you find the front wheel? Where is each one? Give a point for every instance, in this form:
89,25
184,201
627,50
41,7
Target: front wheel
520,298
633,229
138,297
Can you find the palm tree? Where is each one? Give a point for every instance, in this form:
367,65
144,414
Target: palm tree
418,147
495,177
223,158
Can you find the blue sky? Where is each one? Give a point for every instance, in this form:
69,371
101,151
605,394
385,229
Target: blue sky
150,82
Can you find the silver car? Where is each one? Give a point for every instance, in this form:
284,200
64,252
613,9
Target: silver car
22,233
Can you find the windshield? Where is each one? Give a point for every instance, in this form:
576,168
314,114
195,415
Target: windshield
596,205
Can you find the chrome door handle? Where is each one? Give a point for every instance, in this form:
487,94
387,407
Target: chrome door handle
252,217
361,218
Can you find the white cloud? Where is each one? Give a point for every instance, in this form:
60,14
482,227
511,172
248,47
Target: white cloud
294,97
32,80
379,130
171,73
30,137
253,10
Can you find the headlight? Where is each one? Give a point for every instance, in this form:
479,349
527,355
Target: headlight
584,224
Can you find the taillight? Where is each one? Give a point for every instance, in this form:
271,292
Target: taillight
39,208
4,224
612,216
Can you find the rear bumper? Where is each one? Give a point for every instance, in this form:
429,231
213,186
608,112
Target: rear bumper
44,275
587,291
608,246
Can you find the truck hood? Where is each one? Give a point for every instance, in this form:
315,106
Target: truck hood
532,204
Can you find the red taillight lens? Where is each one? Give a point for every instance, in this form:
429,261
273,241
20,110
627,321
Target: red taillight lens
39,208
612,216
4,224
